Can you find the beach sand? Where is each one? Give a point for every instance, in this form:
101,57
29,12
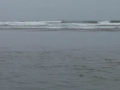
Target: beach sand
59,60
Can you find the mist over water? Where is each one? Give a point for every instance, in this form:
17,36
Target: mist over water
55,60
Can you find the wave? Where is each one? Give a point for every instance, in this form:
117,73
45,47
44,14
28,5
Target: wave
62,24
79,21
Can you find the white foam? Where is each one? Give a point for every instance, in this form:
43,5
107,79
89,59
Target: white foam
104,22
58,24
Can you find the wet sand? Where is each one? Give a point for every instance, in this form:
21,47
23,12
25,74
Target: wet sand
59,60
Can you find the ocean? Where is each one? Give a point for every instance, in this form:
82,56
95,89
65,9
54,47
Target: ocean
61,24
59,58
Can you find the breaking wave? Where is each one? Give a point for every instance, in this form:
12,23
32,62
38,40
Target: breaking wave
62,24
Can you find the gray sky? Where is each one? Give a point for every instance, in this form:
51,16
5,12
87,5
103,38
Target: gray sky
30,10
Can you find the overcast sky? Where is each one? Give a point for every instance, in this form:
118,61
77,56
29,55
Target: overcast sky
34,10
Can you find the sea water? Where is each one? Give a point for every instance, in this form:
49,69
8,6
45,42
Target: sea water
59,60
60,24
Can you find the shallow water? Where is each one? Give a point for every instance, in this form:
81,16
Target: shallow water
59,60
